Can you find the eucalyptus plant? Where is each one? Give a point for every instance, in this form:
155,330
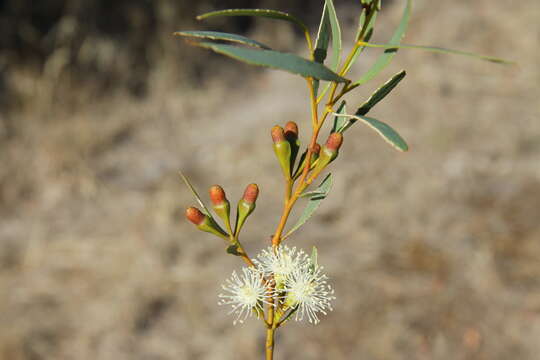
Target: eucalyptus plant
283,283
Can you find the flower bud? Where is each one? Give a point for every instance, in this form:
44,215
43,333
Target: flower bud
246,205
278,134
334,141
291,135
282,148
291,131
221,205
328,153
195,215
204,222
251,193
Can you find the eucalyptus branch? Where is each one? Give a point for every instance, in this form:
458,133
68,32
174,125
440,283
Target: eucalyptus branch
283,283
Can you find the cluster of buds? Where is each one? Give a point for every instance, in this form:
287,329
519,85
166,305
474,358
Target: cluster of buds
286,147
222,208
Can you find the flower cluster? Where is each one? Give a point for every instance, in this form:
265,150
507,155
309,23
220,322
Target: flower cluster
285,278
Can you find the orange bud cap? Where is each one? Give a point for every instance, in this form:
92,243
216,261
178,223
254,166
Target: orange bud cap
277,134
316,149
217,195
251,193
291,131
334,141
195,215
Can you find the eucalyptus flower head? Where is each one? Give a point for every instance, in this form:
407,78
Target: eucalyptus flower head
280,262
246,293
308,291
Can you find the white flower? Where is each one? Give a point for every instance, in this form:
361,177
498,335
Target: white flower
281,262
245,293
307,289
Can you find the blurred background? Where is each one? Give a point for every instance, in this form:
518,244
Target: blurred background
434,254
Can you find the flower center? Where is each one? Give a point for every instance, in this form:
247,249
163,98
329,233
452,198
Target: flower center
248,295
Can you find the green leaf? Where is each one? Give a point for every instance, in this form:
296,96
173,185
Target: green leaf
380,93
389,54
197,197
321,44
311,193
313,204
275,59
331,20
387,133
440,50
214,35
340,121
273,14
336,34
323,38
366,35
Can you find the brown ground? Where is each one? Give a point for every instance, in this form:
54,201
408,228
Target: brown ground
434,254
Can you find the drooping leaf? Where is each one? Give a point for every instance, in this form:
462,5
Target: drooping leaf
380,93
340,121
384,130
215,35
389,54
197,197
313,203
275,59
440,50
272,14
336,34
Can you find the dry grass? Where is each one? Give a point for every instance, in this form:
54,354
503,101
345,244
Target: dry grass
434,254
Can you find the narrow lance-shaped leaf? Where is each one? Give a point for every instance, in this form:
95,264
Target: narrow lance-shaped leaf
275,59
323,38
336,34
384,130
198,198
313,204
388,55
440,50
340,121
364,34
215,35
321,44
380,93
194,192
330,22
272,14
